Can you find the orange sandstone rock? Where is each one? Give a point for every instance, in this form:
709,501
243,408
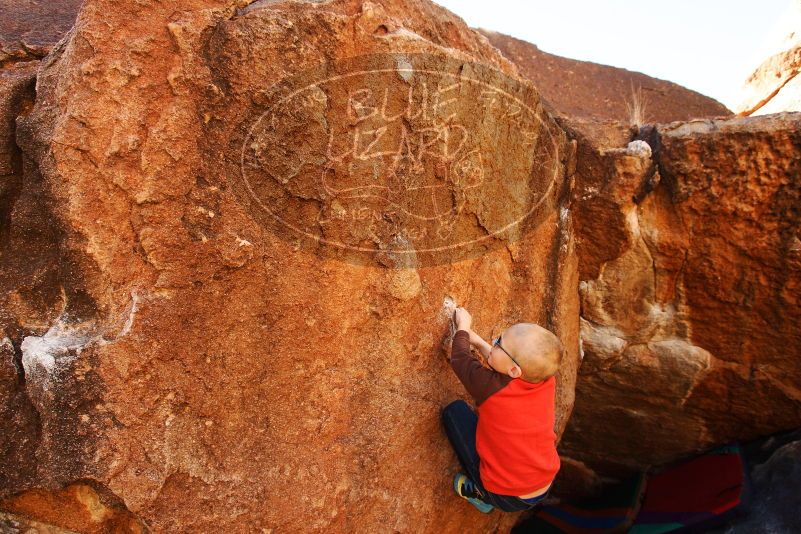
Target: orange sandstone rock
590,91
261,210
232,230
28,30
690,305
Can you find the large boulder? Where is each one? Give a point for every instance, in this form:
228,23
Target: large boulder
587,91
262,214
691,282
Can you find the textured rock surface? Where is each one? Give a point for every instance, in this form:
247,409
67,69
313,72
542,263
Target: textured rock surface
225,263
79,507
18,524
691,282
30,294
30,28
31,287
211,370
585,90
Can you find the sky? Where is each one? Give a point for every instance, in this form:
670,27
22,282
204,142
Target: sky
710,46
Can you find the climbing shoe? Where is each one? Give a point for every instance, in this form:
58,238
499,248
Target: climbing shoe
466,489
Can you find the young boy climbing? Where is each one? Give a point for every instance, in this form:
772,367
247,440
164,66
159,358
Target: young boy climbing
508,449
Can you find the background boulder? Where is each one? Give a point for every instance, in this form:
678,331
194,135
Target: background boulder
690,263
590,91
774,86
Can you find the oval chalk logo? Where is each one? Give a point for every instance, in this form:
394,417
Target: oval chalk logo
419,156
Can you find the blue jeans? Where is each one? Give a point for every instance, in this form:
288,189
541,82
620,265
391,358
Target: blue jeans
460,425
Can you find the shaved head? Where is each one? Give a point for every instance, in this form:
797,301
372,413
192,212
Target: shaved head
537,350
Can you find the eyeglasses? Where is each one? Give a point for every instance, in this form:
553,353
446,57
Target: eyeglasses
497,343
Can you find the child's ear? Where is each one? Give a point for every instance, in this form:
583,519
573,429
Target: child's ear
515,372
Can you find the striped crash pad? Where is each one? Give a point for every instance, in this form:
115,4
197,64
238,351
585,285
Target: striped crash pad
698,493
692,495
613,511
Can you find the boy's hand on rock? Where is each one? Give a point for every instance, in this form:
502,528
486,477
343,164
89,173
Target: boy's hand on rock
463,319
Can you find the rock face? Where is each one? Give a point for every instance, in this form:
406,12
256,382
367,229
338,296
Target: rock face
232,233
30,28
30,272
253,238
585,90
691,281
80,507
29,285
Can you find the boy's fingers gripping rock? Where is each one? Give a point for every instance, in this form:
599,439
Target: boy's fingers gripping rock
462,318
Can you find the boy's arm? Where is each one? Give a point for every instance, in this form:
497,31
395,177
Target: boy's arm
479,381
478,342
